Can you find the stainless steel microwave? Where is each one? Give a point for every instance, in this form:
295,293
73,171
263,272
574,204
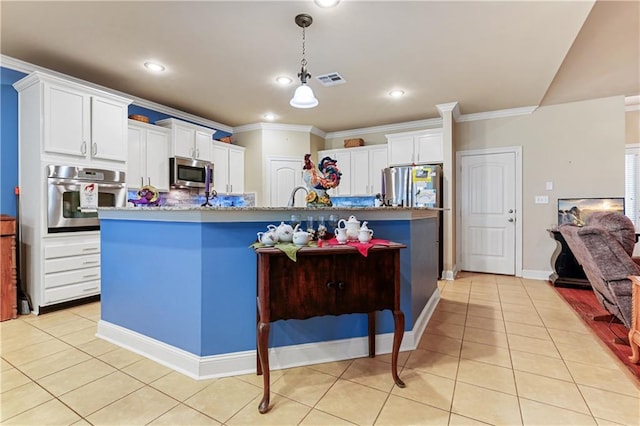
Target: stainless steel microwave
189,173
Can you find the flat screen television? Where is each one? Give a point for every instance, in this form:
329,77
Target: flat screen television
577,210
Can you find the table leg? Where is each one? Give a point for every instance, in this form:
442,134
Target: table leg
635,353
372,334
263,354
398,333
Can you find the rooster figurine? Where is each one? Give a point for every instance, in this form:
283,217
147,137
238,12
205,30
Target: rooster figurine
318,181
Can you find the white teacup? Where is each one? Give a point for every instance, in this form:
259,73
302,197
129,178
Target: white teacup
365,235
341,235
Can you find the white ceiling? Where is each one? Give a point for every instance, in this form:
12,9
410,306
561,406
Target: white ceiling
222,57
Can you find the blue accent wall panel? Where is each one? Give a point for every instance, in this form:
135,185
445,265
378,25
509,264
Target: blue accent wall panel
8,140
152,285
193,286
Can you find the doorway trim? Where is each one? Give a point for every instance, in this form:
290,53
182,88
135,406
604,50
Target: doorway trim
517,150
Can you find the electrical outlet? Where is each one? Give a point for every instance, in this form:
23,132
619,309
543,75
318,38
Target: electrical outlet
542,199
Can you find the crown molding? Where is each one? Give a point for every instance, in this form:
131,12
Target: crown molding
452,107
632,103
488,115
279,126
432,122
27,68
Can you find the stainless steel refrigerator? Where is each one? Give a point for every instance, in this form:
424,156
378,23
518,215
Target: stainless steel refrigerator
415,186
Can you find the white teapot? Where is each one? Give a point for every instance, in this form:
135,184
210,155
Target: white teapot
300,238
284,232
352,225
268,238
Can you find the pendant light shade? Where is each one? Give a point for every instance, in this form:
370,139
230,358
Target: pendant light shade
303,97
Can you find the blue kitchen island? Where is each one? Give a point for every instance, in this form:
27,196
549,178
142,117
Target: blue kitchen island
179,286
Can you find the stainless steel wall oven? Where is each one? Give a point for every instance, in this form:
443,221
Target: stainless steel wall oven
65,209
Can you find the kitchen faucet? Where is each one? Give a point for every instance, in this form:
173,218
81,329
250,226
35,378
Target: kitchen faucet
293,195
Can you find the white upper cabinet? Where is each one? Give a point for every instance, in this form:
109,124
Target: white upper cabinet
78,121
228,168
415,147
189,140
148,160
360,167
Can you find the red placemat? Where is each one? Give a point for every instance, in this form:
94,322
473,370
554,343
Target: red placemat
363,248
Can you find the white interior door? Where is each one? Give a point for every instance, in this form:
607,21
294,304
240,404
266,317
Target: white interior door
284,176
488,212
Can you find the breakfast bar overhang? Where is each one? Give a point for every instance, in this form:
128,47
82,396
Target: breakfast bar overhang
179,287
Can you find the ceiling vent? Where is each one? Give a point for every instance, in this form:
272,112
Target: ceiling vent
331,79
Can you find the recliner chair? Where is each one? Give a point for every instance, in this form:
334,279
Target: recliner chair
604,248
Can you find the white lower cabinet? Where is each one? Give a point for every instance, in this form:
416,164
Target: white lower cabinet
149,151
360,167
228,168
71,267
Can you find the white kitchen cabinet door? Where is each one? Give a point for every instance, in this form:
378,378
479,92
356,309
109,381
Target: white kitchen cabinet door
203,149
183,140
359,171
136,158
220,160
343,159
157,159
400,150
377,162
148,160
67,120
429,148
108,130
236,170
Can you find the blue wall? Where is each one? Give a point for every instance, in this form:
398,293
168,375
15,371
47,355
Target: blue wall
9,135
8,140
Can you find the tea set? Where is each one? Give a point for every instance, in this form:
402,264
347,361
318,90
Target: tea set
347,230
284,233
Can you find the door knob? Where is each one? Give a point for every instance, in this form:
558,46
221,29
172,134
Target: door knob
510,210
341,285
510,219
331,284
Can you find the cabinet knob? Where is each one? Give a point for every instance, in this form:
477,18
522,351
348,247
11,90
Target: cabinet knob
341,285
83,147
331,284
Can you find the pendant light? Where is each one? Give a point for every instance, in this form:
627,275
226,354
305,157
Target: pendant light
303,96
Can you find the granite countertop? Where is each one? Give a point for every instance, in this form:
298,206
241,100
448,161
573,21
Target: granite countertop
256,214
257,209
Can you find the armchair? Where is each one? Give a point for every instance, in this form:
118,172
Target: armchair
604,248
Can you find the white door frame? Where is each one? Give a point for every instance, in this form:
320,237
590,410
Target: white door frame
517,150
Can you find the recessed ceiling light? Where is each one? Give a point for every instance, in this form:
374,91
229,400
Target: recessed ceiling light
327,3
284,80
396,93
152,66
269,116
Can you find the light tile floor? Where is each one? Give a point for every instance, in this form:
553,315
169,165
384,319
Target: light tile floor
498,350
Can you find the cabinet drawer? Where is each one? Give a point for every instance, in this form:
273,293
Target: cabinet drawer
69,277
71,249
70,292
70,263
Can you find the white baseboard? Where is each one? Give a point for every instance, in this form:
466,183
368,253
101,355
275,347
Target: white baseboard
534,274
450,274
244,362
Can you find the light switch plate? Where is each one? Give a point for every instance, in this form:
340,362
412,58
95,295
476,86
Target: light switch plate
549,186
542,199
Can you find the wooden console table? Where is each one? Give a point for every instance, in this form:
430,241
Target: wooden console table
332,280
567,272
8,296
